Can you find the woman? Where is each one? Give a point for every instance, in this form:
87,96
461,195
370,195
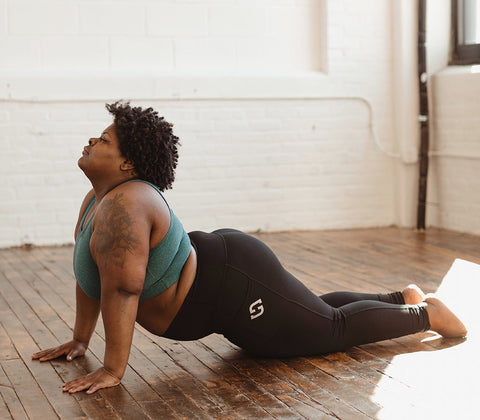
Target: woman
134,262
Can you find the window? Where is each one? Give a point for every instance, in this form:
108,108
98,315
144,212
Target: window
466,31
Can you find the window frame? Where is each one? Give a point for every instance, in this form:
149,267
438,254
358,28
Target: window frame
461,53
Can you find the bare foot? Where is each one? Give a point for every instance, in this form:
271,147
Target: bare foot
413,295
443,320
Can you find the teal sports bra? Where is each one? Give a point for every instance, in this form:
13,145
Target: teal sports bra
165,261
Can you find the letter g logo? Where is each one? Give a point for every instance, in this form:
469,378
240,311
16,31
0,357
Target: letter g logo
256,309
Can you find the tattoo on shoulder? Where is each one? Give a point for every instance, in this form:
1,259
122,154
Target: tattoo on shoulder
115,234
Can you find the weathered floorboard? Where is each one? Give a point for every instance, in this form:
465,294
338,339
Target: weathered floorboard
419,376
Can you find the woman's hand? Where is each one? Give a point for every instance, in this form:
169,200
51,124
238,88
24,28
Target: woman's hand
71,349
98,379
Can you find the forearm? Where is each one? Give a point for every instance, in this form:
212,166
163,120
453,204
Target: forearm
87,311
119,311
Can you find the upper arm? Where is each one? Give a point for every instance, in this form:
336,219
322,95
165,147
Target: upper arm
120,242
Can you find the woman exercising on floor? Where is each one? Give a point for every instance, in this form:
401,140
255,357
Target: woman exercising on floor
134,262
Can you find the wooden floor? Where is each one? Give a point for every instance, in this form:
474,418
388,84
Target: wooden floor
421,376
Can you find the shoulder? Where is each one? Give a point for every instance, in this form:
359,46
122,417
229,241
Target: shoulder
120,206
133,210
83,208
129,204
86,201
137,197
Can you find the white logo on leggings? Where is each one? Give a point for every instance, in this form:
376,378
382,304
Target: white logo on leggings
256,309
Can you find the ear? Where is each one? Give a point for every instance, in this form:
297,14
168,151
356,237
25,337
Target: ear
127,165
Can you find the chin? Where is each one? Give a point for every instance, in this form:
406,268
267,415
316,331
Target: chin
80,163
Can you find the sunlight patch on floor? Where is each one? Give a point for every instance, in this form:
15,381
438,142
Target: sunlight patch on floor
442,380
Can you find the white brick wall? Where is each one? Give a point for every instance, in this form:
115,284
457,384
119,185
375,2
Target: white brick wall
265,145
271,165
277,167
177,20
51,17
454,182
167,34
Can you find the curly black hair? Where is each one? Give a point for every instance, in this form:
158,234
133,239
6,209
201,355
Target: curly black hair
148,141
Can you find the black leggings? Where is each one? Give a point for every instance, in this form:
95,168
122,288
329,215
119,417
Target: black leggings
242,291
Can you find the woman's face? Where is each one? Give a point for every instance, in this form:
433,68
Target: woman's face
102,156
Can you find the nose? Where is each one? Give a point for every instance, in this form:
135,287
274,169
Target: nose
92,141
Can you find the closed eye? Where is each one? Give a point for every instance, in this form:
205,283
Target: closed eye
103,137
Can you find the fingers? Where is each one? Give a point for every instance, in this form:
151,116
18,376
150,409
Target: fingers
49,354
72,355
92,382
94,388
39,354
101,378
76,385
71,349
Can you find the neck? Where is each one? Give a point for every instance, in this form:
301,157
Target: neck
103,187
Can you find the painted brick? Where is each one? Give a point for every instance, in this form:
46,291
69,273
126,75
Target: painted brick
453,179
42,17
112,18
75,53
204,54
253,53
19,53
272,164
237,21
173,19
151,54
3,17
4,117
8,231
